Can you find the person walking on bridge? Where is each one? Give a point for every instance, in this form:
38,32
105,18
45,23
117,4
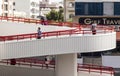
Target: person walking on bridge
93,28
39,33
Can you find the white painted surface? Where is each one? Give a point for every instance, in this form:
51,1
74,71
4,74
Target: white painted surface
112,61
26,6
59,45
66,65
14,28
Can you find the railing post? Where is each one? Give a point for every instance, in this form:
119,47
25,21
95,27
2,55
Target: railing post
105,30
17,38
19,63
89,69
101,70
7,62
30,64
30,37
42,65
77,67
4,39
83,32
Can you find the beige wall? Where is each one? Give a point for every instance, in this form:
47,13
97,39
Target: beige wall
76,19
67,9
66,65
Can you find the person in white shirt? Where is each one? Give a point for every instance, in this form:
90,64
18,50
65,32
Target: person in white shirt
47,60
93,28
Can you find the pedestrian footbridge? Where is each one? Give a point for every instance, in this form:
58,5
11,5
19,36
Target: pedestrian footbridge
18,40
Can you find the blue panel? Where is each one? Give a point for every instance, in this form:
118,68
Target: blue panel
92,8
117,8
95,9
79,8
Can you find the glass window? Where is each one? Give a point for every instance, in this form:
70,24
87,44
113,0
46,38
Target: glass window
79,8
71,4
6,0
6,7
95,9
33,4
116,8
13,3
84,8
33,10
33,16
71,15
5,14
2,6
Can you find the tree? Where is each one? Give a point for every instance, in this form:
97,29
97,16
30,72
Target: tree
55,15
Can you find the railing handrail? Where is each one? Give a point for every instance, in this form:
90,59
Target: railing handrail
28,20
49,22
96,69
81,67
51,33
92,65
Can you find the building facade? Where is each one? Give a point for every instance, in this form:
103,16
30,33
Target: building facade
100,9
45,7
30,8
33,8
69,9
103,12
6,7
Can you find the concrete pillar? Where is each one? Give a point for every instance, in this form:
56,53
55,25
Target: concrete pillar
64,10
66,65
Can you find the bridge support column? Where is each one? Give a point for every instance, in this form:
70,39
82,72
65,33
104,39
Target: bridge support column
66,65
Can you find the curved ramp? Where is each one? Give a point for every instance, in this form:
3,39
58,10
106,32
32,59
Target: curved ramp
56,40
58,45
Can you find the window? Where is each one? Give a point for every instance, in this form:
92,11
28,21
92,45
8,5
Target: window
13,3
71,15
46,0
71,4
84,8
13,10
33,4
33,10
37,4
33,16
116,8
5,14
2,6
5,0
79,8
6,7
95,9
